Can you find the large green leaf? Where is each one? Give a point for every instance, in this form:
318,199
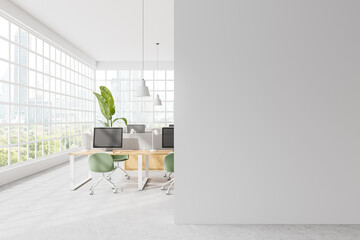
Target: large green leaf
106,94
103,106
124,119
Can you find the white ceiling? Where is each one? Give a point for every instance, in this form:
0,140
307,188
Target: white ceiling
109,30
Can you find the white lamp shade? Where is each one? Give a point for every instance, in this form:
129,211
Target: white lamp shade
157,101
143,90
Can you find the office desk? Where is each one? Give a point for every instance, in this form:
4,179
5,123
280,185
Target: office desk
142,180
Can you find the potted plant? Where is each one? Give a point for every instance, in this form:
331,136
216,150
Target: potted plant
107,106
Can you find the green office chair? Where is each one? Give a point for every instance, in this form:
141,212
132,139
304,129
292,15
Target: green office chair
117,159
101,163
169,167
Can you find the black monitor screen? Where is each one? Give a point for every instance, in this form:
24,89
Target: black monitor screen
108,137
138,128
168,137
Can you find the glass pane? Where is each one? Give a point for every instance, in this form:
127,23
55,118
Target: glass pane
32,42
4,46
147,106
23,153
170,85
46,82
111,75
14,155
39,46
32,131
23,92
46,148
23,74
31,114
46,66
3,157
39,115
135,75
39,80
24,38
170,96
23,114
14,33
14,74
124,75
170,75
14,114
170,117
4,135
23,133
32,79
159,85
160,75
39,135
14,131
40,63
4,28
159,117
52,147
14,54
58,145
32,61
14,94
46,50
148,75
4,113
31,151
4,92
39,149
52,53
170,106
4,71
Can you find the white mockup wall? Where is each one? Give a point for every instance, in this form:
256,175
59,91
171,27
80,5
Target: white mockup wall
269,92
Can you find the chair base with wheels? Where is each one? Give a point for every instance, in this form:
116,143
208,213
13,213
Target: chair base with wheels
117,159
171,182
101,163
169,168
99,180
168,177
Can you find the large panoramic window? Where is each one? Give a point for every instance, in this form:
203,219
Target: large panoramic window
46,99
123,85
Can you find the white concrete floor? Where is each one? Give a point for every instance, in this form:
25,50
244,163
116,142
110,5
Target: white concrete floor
42,207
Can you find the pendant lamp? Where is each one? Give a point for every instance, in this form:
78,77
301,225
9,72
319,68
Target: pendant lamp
142,90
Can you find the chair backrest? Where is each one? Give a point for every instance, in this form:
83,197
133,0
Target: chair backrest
101,162
169,162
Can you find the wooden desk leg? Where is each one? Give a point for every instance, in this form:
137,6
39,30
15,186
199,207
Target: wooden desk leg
73,187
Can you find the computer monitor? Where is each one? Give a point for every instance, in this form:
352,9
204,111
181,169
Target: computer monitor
138,128
108,138
168,137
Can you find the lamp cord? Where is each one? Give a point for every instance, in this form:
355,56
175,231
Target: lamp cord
143,36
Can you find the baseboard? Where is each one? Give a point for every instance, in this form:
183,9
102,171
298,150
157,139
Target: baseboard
24,169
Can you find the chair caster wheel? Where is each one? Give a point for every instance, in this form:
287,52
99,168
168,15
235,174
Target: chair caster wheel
115,191
108,178
167,193
169,178
127,177
162,188
91,193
